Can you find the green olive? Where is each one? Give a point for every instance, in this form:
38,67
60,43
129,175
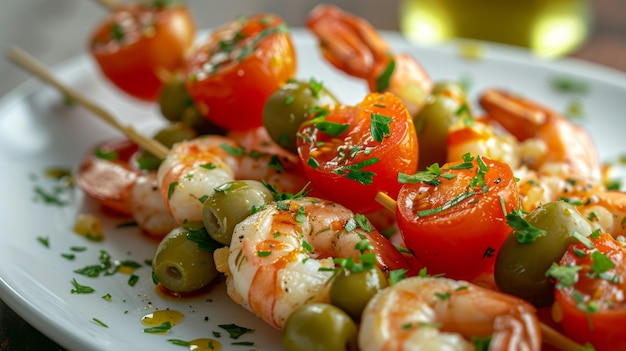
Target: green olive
168,136
319,326
289,106
181,265
351,291
231,203
434,119
520,268
177,106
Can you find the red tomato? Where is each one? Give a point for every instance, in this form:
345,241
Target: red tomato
106,174
133,45
231,76
351,153
593,309
454,223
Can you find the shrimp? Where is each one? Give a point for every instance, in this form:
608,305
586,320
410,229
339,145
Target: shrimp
352,45
282,256
108,175
194,168
148,209
421,313
561,147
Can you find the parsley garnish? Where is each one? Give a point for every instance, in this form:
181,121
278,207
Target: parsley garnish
161,328
45,241
81,289
356,173
200,236
234,330
379,126
99,322
316,87
566,275
525,232
383,81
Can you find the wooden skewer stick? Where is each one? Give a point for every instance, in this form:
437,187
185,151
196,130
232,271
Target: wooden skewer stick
550,336
31,64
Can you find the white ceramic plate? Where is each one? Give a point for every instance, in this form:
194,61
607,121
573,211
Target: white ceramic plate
38,131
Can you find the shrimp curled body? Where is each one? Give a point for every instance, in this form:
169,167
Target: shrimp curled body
282,257
420,313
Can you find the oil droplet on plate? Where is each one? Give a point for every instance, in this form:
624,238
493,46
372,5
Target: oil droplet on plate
157,318
204,344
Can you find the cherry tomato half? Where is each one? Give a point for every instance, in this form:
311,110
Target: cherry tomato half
453,219
135,44
231,76
351,153
593,309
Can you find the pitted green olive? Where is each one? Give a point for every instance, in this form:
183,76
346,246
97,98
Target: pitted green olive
351,291
520,268
181,265
289,106
433,120
319,326
177,106
231,203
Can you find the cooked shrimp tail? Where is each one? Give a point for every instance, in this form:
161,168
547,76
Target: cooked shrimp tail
352,45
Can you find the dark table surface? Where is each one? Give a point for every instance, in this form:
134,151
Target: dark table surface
606,46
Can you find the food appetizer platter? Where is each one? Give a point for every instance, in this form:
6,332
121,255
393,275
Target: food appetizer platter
278,188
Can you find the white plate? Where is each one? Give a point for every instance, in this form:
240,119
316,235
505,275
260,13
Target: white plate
38,131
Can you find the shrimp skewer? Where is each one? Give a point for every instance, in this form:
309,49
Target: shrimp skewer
440,313
194,168
352,45
281,257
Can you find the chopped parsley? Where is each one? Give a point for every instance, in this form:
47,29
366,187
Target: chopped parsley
161,328
81,289
525,232
384,79
235,331
380,126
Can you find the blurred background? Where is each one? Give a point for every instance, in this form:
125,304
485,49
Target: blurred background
592,30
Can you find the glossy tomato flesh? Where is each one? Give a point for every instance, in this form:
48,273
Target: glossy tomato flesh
452,228
353,166
232,75
136,46
593,310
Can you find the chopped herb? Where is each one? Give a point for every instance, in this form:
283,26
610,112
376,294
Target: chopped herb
234,330
50,198
68,256
107,297
455,201
179,342
203,239
242,343
384,80
133,279
155,278
524,231
601,263
363,222
106,155
208,166
81,289
161,328
233,151
316,87
45,241
570,85
312,163
276,164
379,126
489,252
99,322
443,296
289,99
170,189
263,253
566,275
78,248
481,343
307,247
356,173
397,275
583,240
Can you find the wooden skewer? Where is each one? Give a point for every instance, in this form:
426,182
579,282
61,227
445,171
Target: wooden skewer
31,64
550,336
